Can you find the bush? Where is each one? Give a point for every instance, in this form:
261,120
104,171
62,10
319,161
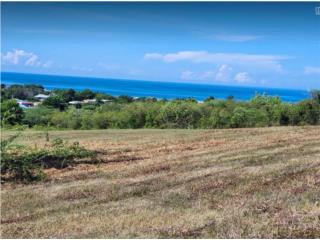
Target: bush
244,117
11,113
315,95
25,164
11,161
86,120
101,120
38,116
179,114
85,94
56,101
60,120
309,111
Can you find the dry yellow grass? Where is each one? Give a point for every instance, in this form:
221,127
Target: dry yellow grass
237,183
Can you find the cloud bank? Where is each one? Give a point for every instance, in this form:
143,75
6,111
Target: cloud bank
270,62
224,74
18,56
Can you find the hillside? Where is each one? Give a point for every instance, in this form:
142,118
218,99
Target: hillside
234,183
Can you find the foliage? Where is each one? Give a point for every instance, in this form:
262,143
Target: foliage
11,112
25,163
179,114
315,95
55,101
38,116
85,94
22,92
147,112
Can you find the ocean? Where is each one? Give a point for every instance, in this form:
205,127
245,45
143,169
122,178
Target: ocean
137,88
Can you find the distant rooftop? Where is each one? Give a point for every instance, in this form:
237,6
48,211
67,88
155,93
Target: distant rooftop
41,96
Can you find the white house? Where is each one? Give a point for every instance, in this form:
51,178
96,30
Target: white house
75,102
89,101
41,97
25,104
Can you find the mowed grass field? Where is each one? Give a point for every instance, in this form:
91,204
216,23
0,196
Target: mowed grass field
235,183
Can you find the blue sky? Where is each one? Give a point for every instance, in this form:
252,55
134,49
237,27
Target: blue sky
244,44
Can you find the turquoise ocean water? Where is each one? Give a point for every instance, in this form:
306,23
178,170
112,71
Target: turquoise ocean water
136,88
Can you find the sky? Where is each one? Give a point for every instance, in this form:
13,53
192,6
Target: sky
266,44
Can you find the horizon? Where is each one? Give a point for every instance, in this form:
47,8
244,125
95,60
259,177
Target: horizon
272,45
157,81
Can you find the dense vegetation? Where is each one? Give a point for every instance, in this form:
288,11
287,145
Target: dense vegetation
127,112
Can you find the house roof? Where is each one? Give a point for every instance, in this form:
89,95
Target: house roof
41,96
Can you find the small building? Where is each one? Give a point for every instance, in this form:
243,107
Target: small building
75,102
106,100
25,104
41,97
89,101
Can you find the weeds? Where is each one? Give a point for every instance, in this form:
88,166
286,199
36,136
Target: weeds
25,163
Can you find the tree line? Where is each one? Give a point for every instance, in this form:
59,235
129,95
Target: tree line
128,112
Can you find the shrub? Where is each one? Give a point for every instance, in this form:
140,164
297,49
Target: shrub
60,120
179,114
152,115
25,164
11,113
38,116
244,117
85,94
56,101
86,120
315,95
309,111
100,120
220,118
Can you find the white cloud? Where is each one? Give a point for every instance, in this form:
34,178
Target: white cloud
271,62
312,70
32,60
18,56
236,38
223,74
188,75
242,77
14,57
152,56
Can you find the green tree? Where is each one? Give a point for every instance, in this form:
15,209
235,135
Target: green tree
11,112
85,94
55,101
309,111
23,92
246,117
208,99
179,114
68,94
124,99
315,95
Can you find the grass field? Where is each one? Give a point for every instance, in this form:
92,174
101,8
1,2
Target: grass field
237,183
